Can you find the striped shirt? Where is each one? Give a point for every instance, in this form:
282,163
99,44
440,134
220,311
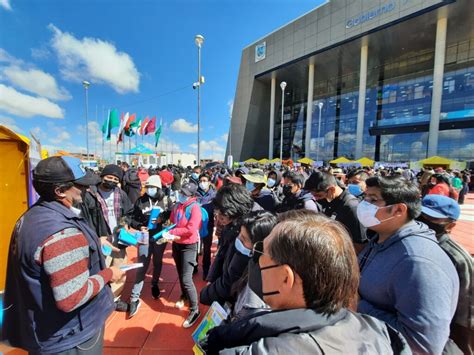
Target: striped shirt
64,257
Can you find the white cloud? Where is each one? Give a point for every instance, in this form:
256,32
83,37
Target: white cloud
40,53
36,81
10,123
6,4
19,104
60,138
182,126
230,105
96,60
225,137
5,57
210,150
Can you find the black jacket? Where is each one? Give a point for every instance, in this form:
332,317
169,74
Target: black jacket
132,185
344,209
142,210
220,290
301,200
304,331
227,240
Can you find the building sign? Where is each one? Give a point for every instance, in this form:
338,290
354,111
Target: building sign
260,51
370,15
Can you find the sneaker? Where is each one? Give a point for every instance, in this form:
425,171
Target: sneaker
155,292
134,306
192,318
180,303
121,306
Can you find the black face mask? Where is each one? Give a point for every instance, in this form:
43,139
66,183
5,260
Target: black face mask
439,229
109,185
287,191
255,278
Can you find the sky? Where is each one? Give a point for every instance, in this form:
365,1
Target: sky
139,56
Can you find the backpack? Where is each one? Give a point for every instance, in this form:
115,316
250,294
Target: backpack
203,232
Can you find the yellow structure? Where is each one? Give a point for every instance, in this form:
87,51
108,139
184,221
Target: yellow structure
14,171
306,161
251,161
365,161
340,160
263,161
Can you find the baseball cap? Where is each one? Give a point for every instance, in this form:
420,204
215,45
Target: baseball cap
153,180
256,176
62,169
189,189
439,206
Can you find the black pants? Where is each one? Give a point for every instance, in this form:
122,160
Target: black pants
184,256
206,253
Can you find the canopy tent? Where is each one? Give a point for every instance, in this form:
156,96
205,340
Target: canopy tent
306,161
251,161
14,170
263,161
273,161
365,161
436,161
139,150
340,160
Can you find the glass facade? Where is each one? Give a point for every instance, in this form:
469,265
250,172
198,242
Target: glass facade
398,95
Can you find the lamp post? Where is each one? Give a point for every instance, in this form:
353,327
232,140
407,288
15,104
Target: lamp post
230,158
86,85
320,105
283,86
199,40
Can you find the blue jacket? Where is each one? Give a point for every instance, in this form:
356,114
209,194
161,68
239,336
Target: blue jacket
32,321
409,282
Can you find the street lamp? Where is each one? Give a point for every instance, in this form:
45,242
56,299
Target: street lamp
283,86
320,105
86,85
199,40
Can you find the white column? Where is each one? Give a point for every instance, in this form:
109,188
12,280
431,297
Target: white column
272,118
364,52
309,109
437,93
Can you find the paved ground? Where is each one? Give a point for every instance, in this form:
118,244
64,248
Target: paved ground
156,329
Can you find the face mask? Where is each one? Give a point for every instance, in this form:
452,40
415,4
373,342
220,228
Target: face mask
241,247
439,229
366,214
355,189
151,191
182,198
271,183
109,185
195,176
204,185
75,210
249,186
255,279
287,191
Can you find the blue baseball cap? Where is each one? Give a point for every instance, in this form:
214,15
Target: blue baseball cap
61,169
439,206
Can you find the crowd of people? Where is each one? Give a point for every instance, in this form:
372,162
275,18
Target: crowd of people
309,260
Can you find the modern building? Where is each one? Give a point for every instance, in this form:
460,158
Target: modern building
392,80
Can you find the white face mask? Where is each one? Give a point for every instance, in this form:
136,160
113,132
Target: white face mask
366,214
75,210
204,185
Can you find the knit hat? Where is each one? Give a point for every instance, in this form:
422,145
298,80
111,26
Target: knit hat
114,170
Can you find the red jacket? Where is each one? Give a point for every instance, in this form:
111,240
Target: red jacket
187,230
439,189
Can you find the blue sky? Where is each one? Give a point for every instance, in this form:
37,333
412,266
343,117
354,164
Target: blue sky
139,56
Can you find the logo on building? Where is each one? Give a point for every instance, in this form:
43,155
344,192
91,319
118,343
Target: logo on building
370,15
260,51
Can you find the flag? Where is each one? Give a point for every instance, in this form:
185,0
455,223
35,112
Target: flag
123,120
127,129
151,127
134,126
143,126
111,122
158,133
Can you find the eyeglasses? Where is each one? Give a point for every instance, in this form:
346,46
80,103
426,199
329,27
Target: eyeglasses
257,251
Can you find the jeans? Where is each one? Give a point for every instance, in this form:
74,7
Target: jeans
145,253
184,256
93,346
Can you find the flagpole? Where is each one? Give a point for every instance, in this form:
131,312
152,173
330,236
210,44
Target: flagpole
103,141
95,132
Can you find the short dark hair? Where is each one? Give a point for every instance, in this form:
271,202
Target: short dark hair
320,182
233,200
362,174
396,189
259,224
442,178
197,167
205,176
295,178
320,250
47,190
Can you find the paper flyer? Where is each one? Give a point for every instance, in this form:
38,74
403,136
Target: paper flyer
214,317
131,266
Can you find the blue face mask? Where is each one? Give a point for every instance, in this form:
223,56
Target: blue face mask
355,189
195,176
271,182
249,186
182,198
241,248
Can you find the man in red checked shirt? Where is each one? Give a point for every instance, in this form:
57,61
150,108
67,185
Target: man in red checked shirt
57,296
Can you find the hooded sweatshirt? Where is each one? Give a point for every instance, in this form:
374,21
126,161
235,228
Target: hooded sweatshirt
409,282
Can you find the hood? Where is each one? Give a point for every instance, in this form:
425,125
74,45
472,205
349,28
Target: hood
304,195
411,229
